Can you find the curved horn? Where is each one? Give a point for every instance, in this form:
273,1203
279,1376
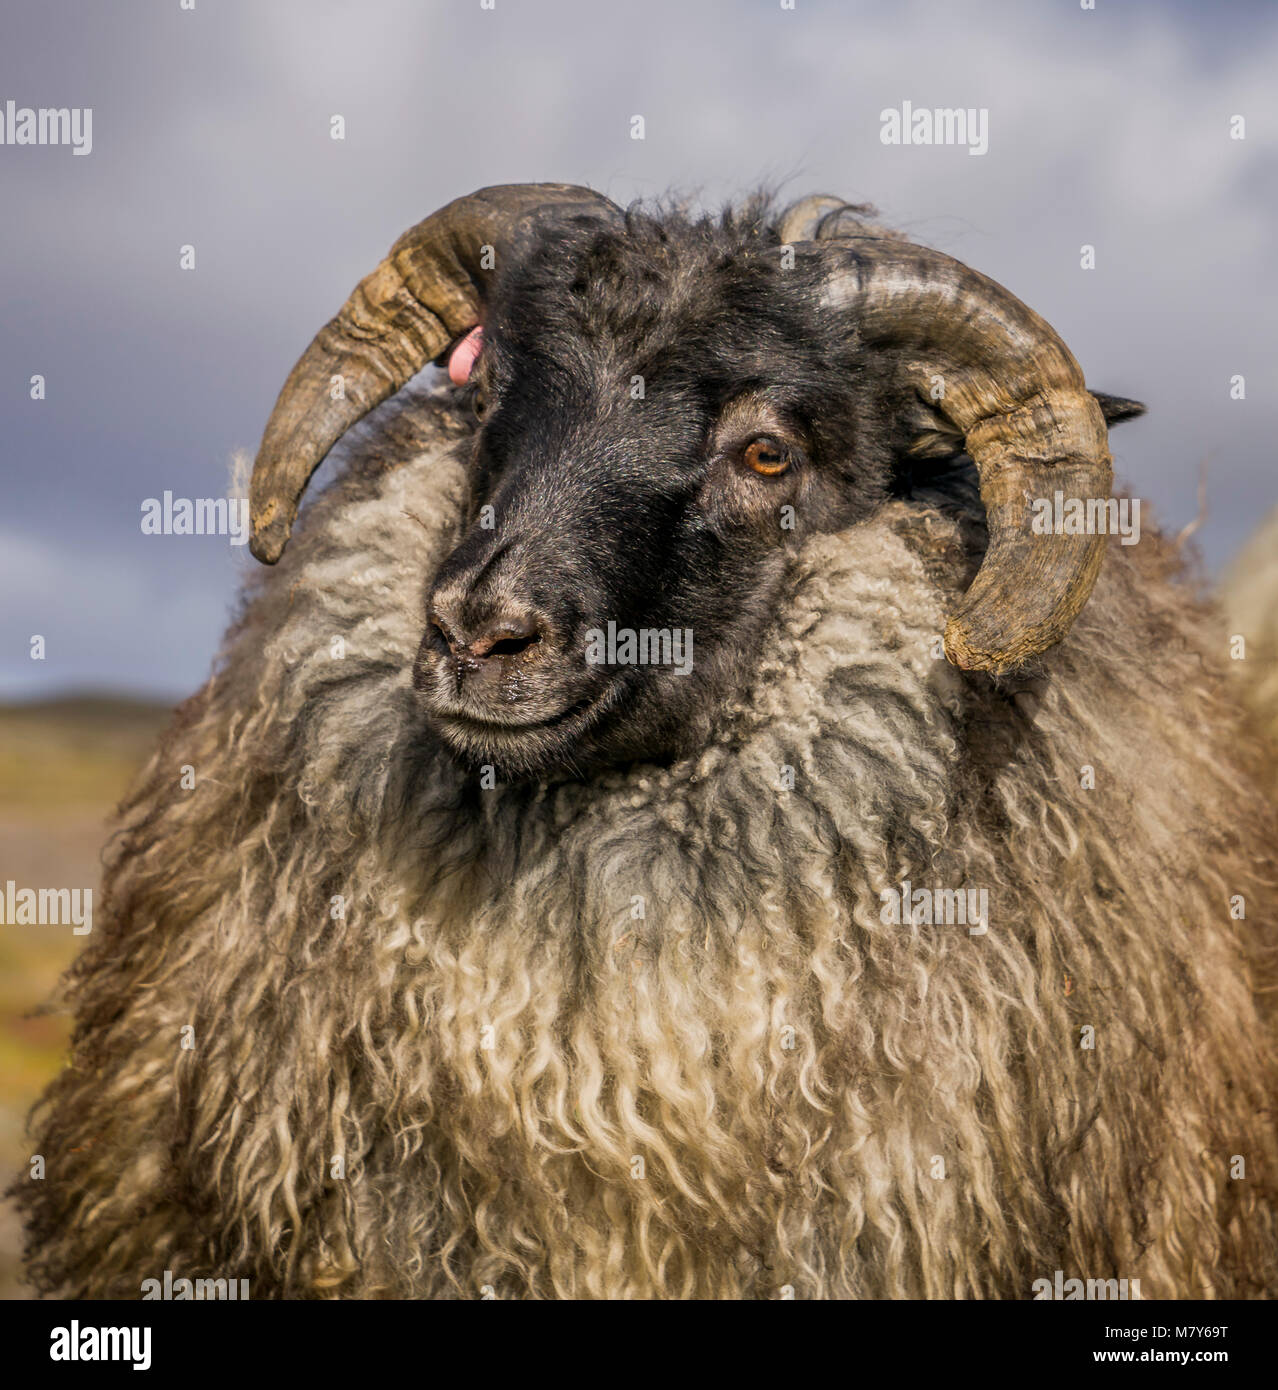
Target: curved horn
425,293
824,217
1013,390
801,221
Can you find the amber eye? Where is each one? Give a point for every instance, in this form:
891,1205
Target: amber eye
766,456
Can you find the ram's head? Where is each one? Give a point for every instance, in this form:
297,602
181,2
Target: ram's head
663,407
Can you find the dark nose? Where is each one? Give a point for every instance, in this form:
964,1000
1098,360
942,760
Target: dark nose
503,634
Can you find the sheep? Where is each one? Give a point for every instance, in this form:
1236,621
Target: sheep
457,965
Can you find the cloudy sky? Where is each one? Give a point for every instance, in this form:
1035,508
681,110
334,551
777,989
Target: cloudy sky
1108,127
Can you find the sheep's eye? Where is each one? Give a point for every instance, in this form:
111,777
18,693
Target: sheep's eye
767,457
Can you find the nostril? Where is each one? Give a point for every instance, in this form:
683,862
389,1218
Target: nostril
506,639
441,633
510,646
508,634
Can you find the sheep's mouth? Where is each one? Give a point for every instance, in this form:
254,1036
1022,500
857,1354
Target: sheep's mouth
504,728
522,748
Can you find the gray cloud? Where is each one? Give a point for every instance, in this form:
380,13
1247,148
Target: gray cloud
1106,127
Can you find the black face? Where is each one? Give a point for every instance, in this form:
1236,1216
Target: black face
661,415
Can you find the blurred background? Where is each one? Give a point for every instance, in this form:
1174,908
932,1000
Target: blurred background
1113,127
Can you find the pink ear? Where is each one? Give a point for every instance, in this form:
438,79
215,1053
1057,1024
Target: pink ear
462,362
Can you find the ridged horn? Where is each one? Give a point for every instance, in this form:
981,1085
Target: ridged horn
801,221
1011,388
426,293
